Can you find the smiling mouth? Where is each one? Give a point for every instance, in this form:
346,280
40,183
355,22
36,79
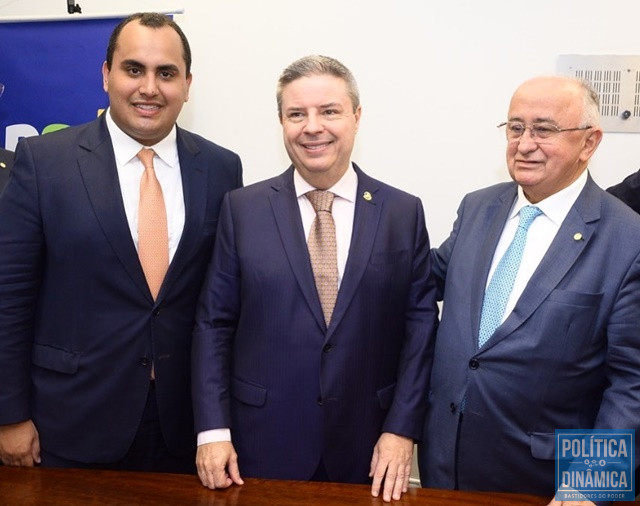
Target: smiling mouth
315,146
147,107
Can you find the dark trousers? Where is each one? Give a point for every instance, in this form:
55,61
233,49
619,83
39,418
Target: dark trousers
148,452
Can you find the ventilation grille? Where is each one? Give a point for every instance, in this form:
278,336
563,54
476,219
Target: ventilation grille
616,79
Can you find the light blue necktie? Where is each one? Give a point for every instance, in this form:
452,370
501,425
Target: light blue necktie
499,288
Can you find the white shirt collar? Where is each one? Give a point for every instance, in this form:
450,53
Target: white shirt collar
346,187
126,148
556,206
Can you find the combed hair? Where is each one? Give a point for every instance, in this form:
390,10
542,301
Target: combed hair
314,65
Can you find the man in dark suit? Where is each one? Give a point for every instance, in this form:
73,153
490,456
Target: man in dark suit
312,389
94,355
6,161
563,352
628,191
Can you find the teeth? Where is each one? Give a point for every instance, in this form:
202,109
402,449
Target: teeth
146,107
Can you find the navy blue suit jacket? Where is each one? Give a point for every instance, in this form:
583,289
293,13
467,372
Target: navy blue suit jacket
292,391
566,357
78,325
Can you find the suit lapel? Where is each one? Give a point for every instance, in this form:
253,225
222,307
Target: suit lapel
565,250
496,217
194,187
365,224
99,174
287,215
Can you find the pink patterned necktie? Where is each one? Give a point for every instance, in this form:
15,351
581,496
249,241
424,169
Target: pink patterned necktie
323,251
153,235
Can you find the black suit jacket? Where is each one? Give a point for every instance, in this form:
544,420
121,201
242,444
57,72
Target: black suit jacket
79,328
628,191
6,161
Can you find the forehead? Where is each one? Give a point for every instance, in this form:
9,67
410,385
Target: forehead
547,99
315,90
149,45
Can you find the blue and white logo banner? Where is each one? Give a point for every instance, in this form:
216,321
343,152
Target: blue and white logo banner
51,72
595,465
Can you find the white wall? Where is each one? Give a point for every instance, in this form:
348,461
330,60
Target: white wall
435,78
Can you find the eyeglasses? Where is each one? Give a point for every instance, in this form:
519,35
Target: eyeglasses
515,129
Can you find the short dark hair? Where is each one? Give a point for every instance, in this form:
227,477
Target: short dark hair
151,20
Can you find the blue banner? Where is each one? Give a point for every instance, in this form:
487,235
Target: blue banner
51,71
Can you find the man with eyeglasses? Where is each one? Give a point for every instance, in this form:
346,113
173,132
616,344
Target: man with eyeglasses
540,329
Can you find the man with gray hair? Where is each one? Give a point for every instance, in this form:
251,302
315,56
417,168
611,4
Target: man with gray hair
541,315
314,334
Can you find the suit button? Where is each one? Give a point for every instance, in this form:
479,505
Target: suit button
474,363
144,361
327,348
156,311
319,401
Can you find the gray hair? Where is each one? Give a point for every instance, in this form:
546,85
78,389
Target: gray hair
314,65
591,104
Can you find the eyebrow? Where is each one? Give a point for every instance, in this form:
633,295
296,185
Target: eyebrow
135,63
536,120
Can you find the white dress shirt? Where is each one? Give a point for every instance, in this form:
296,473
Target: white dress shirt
540,236
167,169
343,211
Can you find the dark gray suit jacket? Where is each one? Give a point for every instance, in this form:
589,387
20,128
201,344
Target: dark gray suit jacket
628,191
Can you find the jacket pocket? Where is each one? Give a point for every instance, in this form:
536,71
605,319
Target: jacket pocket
55,359
576,298
543,445
254,395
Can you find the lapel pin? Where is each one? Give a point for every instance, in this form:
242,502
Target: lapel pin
367,196
577,236
3,165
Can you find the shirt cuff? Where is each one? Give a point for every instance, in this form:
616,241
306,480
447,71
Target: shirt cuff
214,436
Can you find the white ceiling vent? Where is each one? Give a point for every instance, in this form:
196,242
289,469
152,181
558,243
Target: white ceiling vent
617,81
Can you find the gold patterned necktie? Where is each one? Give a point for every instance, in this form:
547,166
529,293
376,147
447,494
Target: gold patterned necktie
323,251
153,235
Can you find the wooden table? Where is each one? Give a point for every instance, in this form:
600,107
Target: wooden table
75,487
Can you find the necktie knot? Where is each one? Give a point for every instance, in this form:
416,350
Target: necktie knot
321,200
527,215
145,155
